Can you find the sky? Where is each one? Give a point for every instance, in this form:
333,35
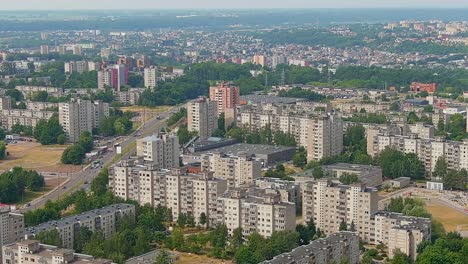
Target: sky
211,4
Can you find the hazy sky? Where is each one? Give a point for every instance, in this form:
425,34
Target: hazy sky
185,4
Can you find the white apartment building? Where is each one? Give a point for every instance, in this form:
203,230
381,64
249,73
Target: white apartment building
329,204
161,150
237,170
32,252
428,150
322,135
80,66
176,189
255,210
104,220
202,116
104,79
151,77
78,116
24,117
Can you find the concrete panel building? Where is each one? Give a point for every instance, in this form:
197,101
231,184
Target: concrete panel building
104,220
202,116
78,116
226,95
151,77
332,249
32,252
161,150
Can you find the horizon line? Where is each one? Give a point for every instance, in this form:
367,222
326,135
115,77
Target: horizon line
241,8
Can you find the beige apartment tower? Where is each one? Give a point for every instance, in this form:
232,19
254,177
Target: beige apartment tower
202,116
160,150
151,77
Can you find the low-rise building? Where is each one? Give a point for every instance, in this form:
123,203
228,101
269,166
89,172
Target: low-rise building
367,174
332,249
32,252
25,117
401,182
104,220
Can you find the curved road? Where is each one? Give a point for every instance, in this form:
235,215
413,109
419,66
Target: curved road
83,179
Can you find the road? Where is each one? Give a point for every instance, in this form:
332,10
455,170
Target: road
83,179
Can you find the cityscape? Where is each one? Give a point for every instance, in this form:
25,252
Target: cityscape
236,133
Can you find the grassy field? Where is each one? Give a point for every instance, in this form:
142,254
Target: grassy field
186,258
450,218
33,155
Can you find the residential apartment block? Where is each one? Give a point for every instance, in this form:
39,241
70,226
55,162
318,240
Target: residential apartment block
80,66
28,90
32,252
332,249
161,150
130,97
104,79
11,226
78,116
176,189
104,220
321,135
255,210
202,116
428,150
237,170
25,117
329,204
226,95
151,77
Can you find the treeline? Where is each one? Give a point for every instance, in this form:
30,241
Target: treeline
452,179
76,153
262,136
371,118
176,117
78,202
14,183
428,48
196,82
50,131
301,93
118,123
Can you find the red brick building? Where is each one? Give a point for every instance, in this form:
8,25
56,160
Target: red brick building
421,87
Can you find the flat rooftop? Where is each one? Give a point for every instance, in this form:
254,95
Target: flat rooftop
85,216
269,99
248,149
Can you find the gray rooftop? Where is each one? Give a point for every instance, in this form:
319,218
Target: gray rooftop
303,252
270,99
77,218
249,149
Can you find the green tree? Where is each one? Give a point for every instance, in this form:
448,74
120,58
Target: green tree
73,155
162,257
202,219
51,237
2,150
348,178
317,172
399,258
343,226
440,169
81,237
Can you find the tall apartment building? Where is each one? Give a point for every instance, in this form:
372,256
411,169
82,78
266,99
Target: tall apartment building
5,102
104,220
259,60
332,249
278,60
104,79
226,95
11,226
321,135
78,116
151,77
325,137
202,116
238,170
119,76
161,150
255,210
32,252
176,189
77,50
428,150
329,204
80,66
44,49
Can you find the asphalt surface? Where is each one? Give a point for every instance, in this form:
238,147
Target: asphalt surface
83,179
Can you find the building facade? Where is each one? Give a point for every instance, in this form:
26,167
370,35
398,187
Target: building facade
78,116
151,77
202,116
161,150
226,95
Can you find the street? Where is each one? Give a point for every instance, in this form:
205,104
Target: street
83,179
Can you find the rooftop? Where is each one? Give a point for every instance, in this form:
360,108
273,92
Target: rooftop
248,149
77,218
269,99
